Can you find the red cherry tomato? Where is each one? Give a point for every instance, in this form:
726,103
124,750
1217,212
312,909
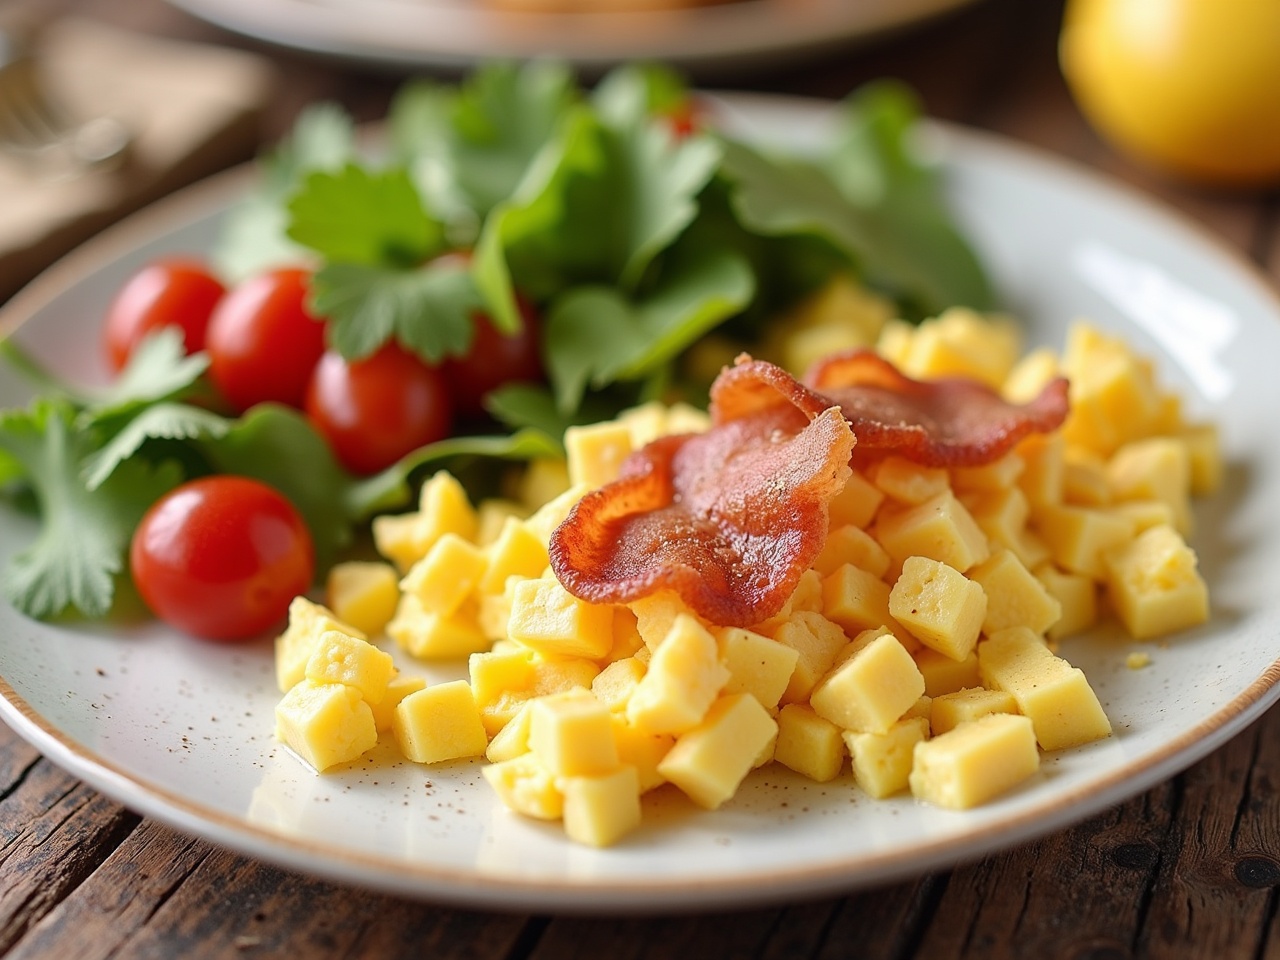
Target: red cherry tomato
222,557
374,411
263,344
494,358
685,118
168,293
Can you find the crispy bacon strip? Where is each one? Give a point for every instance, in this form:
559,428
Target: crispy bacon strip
730,518
954,422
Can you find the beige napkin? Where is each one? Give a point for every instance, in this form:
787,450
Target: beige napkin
192,109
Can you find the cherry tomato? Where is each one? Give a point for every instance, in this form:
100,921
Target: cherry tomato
684,119
1191,87
263,344
222,557
374,411
168,293
494,358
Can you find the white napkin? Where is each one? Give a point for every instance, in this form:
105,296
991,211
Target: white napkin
192,109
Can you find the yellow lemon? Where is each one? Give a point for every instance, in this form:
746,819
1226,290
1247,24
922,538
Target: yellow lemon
1190,87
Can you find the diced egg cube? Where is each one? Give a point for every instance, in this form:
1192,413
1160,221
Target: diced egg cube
596,451
882,761
709,762
939,605
448,573
600,809
363,594
325,723
342,658
547,618
1154,585
308,622
974,762
683,679
1051,693
871,689
439,723
572,734
526,786
808,744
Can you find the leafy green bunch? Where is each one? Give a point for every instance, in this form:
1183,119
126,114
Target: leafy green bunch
90,463
631,240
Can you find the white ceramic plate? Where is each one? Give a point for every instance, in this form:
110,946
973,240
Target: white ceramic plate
458,33
182,730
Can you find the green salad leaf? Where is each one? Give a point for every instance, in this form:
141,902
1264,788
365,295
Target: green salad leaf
871,199
163,421
277,445
630,231
254,236
427,309
596,335
363,216
469,147
85,532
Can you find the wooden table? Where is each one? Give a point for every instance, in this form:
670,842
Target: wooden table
1190,868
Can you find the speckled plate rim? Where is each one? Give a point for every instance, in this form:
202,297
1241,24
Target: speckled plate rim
467,888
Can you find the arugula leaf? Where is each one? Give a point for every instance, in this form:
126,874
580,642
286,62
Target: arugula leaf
519,405
278,445
169,421
873,163
363,217
469,147
871,199
429,309
595,335
391,488
84,533
253,236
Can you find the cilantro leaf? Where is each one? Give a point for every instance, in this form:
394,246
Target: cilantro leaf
595,335
429,309
278,446
323,138
596,209
253,236
469,147
84,533
170,421
660,180
358,216
159,368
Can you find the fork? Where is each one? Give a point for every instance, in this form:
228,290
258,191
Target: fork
38,131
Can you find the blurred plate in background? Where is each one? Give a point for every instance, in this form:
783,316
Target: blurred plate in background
459,33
